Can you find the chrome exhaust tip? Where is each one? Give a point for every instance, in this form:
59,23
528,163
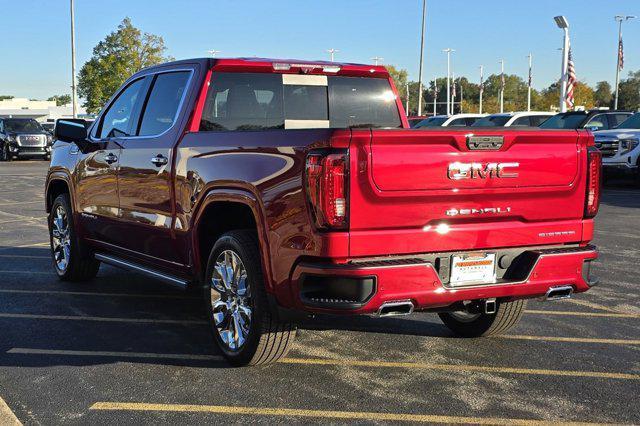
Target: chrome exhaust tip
558,293
401,307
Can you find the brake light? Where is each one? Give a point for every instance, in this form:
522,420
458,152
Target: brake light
594,182
326,188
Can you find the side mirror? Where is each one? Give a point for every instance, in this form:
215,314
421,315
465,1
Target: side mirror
72,130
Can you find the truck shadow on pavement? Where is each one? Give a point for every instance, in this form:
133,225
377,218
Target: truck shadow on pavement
45,322
621,193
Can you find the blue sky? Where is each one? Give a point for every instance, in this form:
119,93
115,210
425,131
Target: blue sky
36,58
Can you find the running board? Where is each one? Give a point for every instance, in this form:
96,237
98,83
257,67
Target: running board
126,264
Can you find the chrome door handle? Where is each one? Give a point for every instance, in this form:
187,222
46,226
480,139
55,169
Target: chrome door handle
111,158
159,160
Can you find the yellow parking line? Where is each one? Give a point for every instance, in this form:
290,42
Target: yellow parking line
457,367
573,339
86,293
322,414
112,354
582,314
103,319
7,418
593,305
16,203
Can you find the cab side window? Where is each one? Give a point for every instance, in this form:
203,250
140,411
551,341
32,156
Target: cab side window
116,121
162,106
458,122
537,120
522,121
598,122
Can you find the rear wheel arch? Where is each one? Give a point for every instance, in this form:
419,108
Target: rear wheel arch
227,210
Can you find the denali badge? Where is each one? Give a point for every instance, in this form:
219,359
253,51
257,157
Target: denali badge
481,211
458,171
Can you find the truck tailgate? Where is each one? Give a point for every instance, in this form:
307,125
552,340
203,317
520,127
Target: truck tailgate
425,191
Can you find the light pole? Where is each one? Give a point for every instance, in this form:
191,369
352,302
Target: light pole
563,24
481,89
529,83
448,51
74,89
435,95
620,19
502,83
377,59
407,108
332,52
213,52
424,14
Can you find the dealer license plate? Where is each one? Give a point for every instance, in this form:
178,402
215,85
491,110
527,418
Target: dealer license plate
473,268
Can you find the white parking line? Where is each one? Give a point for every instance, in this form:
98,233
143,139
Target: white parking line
7,418
87,293
102,319
112,354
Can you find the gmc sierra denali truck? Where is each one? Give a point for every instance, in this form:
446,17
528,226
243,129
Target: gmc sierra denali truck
23,137
283,188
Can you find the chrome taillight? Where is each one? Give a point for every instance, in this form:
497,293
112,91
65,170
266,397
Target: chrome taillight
326,176
594,182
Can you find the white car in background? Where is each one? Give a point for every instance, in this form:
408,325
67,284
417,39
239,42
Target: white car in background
514,119
620,147
456,120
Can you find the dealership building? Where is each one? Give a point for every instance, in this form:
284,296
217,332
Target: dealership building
39,110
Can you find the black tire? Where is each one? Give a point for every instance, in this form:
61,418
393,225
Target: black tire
80,264
267,339
507,316
5,155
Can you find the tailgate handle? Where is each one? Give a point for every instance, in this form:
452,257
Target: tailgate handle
485,143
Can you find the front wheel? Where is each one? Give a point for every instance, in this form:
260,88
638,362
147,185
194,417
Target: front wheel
467,324
5,155
236,301
69,260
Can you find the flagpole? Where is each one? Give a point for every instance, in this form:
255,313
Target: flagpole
502,83
448,52
529,84
407,108
481,90
461,93
424,13
619,18
435,95
453,93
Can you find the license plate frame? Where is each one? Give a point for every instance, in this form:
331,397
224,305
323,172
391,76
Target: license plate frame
473,269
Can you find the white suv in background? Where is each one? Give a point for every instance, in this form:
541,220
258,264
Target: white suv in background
514,119
621,147
456,120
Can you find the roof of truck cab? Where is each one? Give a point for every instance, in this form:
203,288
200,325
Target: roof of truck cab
267,65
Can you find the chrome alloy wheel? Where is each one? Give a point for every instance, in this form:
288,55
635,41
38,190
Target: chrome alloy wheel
61,237
230,300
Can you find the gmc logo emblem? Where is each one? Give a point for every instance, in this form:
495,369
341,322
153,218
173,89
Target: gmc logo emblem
459,171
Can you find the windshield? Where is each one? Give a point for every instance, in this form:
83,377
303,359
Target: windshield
254,101
492,121
432,122
632,122
564,121
22,125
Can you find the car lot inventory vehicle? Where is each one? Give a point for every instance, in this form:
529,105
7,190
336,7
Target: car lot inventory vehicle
593,120
23,137
415,119
620,147
456,120
514,119
283,188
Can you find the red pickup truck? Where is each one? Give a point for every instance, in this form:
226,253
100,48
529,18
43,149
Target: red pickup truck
283,188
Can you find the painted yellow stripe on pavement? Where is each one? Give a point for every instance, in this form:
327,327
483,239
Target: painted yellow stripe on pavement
112,354
457,367
322,414
104,319
594,305
582,314
87,293
7,418
572,339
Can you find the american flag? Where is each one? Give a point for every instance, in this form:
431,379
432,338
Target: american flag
571,81
620,55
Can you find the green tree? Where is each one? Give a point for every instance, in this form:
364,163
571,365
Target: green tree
602,94
3,97
61,99
400,80
629,97
583,96
121,54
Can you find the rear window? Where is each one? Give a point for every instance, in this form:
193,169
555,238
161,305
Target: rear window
564,121
632,122
432,122
492,121
22,125
253,101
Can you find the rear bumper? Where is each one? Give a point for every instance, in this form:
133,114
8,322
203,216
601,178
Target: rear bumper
373,283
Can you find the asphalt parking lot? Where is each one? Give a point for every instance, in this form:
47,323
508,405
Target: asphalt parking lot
125,349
